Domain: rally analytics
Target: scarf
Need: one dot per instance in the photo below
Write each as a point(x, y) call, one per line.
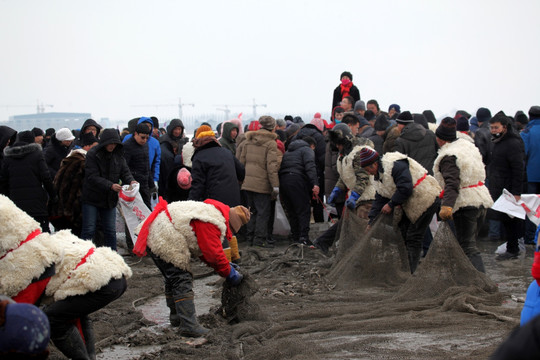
point(346, 89)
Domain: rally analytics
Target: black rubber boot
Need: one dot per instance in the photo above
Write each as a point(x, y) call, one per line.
point(190, 327)
point(89, 338)
point(71, 345)
point(173, 316)
point(477, 262)
point(414, 258)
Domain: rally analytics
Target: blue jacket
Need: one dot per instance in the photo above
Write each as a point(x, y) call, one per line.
point(531, 139)
point(154, 150)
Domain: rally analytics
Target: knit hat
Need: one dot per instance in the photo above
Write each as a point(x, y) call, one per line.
point(395, 107)
point(360, 105)
point(521, 118)
point(288, 117)
point(24, 329)
point(381, 123)
point(368, 156)
point(254, 125)
point(462, 124)
point(37, 132)
point(88, 139)
point(319, 123)
point(462, 113)
point(26, 137)
point(238, 216)
point(267, 122)
point(64, 134)
point(405, 118)
point(345, 73)
point(317, 115)
point(534, 112)
point(447, 129)
point(204, 130)
point(291, 130)
point(184, 179)
point(369, 115)
point(49, 132)
point(483, 115)
point(430, 116)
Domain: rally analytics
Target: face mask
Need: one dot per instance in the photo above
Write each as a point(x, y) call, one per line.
point(337, 121)
point(345, 81)
point(496, 135)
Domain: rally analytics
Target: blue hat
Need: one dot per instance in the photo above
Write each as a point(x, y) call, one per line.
point(26, 329)
point(395, 107)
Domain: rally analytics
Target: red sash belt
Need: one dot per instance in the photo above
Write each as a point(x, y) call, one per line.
point(420, 180)
point(32, 235)
point(140, 246)
point(480, 183)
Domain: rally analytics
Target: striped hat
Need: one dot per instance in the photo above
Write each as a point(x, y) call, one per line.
point(368, 156)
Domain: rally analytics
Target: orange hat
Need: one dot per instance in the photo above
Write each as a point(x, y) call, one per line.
point(204, 130)
point(238, 216)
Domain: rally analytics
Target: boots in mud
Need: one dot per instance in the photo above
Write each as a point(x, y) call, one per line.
point(174, 318)
point(477, 262)
point(71, 344)
point(89, 338)
point(190, 327)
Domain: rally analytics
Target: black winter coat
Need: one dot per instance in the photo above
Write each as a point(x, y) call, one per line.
point(320, 148)
point(167, 154)
point(505, 171)
point(336, 100)
point(482, 140)
point(216, 174)
point(6, 134)
point(25, 178)
point(54, 153)
point(299, 159)
point(103, 169)
point(418, 143)
point(137, 161)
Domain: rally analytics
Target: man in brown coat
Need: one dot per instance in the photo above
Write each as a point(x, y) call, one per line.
point(259, 155)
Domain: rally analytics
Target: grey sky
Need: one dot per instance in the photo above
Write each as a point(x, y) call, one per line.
point(103, 57)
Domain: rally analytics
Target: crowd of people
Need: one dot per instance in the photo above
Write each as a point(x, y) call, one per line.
point(362, 160)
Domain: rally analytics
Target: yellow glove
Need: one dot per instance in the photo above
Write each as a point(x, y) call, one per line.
point(445, 213)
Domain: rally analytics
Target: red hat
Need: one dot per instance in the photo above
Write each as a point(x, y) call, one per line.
point(184, 178)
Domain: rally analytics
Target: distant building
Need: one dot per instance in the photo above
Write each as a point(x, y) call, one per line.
point(44, 121)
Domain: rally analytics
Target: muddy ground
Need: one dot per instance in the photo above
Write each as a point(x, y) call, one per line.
point(303, 315)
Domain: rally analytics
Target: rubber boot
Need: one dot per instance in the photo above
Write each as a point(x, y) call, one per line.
point(414, 258)
point(173, 316)
point(89, 338)
point(477, 262)
point(190, 327)
point(71, 344)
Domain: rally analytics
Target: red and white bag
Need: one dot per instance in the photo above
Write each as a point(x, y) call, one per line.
point(132, 207)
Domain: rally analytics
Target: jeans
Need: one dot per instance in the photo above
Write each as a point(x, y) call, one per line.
point(108, 222)
point(257, 227)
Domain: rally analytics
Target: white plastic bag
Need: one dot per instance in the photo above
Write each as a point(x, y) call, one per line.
point(521, 244)
point(281, 224)
point(132, 207)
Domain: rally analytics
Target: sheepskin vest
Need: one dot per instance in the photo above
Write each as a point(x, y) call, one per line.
point(461, 135)
point(425, 187)
point(472, 175)
point(23, 254)
point(84, 268)
point(174, 240)
point(345, 169)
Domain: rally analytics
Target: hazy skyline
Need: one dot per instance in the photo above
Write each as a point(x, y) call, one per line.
point(110, 57)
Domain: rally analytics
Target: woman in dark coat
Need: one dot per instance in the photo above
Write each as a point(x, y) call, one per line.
point(25, 178)
point(59, 147)
point(345, 88)
point(505, 171)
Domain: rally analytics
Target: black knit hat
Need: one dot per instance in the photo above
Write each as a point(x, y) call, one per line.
point(26, 137)
point(381, 123)
point(534, 112)
point(447, 129)
point(462, 124)
point(49, 132)
point(483, 114)
point(345, 73)
point(37, 132)
point(405, 118)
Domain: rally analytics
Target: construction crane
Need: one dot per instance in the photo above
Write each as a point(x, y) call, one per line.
point(255, 105)
point(180, 106)
point(227, 111)
point(40, 107)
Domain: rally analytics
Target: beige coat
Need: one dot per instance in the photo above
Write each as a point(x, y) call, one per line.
point(259, 155)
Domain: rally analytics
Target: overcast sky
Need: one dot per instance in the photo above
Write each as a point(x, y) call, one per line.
point(109, 57)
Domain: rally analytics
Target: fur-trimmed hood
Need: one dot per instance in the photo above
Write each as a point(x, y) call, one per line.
point(21, 151)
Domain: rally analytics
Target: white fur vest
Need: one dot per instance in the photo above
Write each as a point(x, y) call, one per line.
point(75, 277)
point(21, 262)
point(345, 169)
point(471, 173)
point(174, 241)
point(425, 191)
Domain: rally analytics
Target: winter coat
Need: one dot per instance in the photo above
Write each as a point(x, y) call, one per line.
point(154, 150)
point(467, 188)
point(338, 96)
point(137, 161)
point(25, 179)
point(505, 170)
point(367, 132)
point(226, 141)
point(54, 153)
point(531, 140)
point(331, 175)
point(102, 170)
point(418, 143)
point(378, 142)
point(353, 177)
point(391, 135)
point(405, 182)
point(175, 192)
point(259, 155)
point(77, 144)
point(482, 140)
point(300, 160)
point(167, 153)
point(320, 147)
point(6, 134)
point(216, 174)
